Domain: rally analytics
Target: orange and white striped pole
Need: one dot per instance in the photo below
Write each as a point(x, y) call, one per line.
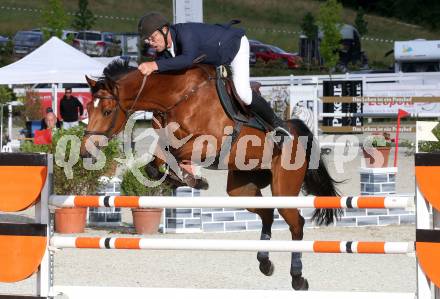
point(234, 245)
point(327, 202)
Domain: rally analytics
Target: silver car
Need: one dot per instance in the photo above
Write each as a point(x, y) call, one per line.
point(95, 43)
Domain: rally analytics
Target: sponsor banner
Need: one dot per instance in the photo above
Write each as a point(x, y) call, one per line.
point(400, 95)
point(369, 129)
point(339, 89)
point(279, 99)
point(303, 96)
point(83, 97)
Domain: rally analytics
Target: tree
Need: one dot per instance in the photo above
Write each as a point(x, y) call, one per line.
point(6, 53)
point(84, 17)
point(6, 94)
point(330, 20)
point(308, 26)
point(310, 30)
point(360, 23)
point(55, 19)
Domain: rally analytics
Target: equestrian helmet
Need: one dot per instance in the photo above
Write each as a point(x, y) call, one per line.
point(149, 23)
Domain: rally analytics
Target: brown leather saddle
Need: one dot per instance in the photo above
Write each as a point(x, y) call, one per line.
point(232, 104)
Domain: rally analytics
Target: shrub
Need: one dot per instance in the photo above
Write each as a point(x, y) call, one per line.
point(32, 106)
point(130, 185)
point(378, 140)
point(431, 146)
point(84, 181)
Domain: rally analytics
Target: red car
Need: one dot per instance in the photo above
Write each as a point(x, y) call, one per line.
point(269, 52)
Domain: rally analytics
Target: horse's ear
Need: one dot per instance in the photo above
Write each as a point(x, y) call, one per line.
point(91, 82)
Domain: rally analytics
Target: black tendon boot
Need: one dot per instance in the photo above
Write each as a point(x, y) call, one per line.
point(262, 110)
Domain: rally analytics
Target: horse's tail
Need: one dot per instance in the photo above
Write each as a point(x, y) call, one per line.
point(317, 180)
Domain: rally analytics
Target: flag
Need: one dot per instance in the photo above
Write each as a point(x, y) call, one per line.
point(43, 136)
point(402, 113)
point(424, 130)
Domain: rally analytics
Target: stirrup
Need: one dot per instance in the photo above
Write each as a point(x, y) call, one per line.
point(279, 135)
point(283, 132)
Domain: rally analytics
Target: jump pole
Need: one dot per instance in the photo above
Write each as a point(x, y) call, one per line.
point(361, 202)
point(360, 247)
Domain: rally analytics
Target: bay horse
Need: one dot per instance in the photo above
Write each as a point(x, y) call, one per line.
point(189, 98)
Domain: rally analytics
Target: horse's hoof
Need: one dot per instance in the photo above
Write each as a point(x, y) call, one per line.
point(299, 283)
point(152, 171)
point(267, 268)
point(194, 182)
point(201, 184)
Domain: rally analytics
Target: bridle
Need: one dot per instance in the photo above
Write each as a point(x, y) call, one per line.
point(127, 113)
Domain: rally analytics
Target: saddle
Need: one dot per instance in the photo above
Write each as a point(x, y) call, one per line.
point(231, 102)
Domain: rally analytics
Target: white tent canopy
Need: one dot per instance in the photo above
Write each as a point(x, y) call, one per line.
point(53, 62)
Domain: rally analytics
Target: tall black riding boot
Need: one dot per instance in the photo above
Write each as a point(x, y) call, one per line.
point(261, 109)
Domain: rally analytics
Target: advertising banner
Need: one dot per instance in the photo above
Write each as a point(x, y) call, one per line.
point(399, 97)
point(338, 89)
point(83, 97)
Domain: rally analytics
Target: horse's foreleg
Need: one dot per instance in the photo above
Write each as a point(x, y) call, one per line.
point(296, 226)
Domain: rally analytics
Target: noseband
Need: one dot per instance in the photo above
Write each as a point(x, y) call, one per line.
point(126, 112)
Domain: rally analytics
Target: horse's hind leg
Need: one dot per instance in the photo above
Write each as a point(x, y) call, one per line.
point(296, 225)
point(288, 183)
point(244, 184)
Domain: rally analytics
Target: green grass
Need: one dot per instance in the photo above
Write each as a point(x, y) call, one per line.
point(259, 17)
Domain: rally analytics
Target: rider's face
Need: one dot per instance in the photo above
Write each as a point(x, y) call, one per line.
point(156, 41)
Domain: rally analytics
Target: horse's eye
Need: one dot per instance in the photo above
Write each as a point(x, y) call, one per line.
point(107, 112)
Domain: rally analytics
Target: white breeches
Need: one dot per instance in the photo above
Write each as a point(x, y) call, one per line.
point(240, 72)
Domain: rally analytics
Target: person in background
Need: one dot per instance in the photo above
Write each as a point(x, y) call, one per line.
point(50, 120)
point(70, 106)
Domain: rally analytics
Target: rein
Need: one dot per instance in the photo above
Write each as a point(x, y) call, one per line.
point(126, 112)
point(186, 96)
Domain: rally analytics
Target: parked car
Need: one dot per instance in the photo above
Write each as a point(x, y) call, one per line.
point(66, 34)
point(254, 42)
point(252, 58)
point(27, 41)
point(3, 41)
point(69, 35)
point(270, 52)
point(252, 55)
point(129, 43)
point(95, 43)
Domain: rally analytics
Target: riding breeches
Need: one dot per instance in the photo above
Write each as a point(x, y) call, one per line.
point(240, 72)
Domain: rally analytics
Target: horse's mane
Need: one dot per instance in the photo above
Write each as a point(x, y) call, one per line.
point(117, 68)
point(112, 73)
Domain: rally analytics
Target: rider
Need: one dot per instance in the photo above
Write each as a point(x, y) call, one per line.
point(179, 44)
